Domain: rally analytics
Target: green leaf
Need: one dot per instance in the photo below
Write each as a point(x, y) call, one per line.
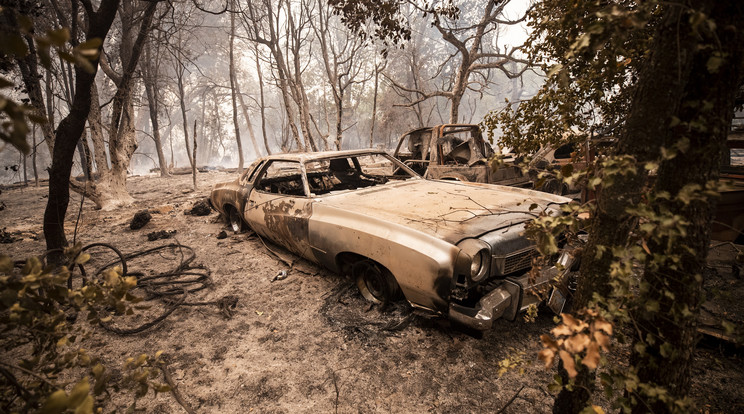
point(79, 392)
point(82, 258)
point(59, 37)
point(86, 406)
point(666, 350)
point(56, 403)
point(728, 327)
point(567, 170)
point(6, 264)
point(714, 63)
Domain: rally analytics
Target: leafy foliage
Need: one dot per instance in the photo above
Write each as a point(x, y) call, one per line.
point(600, 59)
point(385, 20)
point(16, 35)
point(40, 330)
point(591, 52)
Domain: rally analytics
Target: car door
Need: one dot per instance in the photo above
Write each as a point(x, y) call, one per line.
point(279, 208)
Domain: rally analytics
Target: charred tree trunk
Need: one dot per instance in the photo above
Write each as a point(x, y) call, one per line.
point(182, 101)
point(262, 102)
point(95, 125)
point(706, 110)
point(29, 69)
point(150, 81)
point(33, 157)
point(374, 107)
point(675, 73)
point(248, 122)
point(109, 190)
point(233, 82)
point(69, 131)
point(193, 165)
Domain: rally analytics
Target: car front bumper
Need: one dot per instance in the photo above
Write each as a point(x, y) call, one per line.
point(514, 295)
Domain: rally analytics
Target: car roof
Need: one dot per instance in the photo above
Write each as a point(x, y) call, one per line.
point(310, 156)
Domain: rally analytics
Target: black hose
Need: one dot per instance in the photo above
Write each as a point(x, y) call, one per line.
point(171, 287)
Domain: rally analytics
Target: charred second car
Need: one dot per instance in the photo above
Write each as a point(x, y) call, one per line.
point(452, 248)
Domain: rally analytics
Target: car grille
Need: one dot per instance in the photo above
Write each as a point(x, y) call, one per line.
point(514, 262)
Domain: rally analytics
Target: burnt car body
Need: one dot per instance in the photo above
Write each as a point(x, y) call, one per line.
point(456, 152)
point(452, 248)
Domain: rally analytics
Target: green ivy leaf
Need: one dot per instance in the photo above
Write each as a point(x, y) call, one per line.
point(714, 63)
point(56, 403)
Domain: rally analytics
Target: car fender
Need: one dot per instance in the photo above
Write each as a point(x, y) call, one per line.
point(422, 265)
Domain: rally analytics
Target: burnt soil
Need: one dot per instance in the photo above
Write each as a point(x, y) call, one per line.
point(309, 342)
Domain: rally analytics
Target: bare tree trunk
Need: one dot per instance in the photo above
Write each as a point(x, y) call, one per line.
point(95, 125)
point(69, 132)
point(86, 163)
point(181, 99)
point(109, 190)
point(263, 103)
point(25, 169)
point(33, 157)
point(193, 164)
point(149, 79)
point(248, 122)
point(233, 82)
point(374, 108)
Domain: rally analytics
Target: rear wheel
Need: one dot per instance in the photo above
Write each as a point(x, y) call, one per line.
point(375, 282)
point(234, 220)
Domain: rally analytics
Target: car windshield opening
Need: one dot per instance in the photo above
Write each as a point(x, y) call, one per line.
point(352, 172)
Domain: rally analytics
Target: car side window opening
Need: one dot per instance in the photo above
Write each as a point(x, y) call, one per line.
point(281, 177)
point(349, 173)
point(250, 172)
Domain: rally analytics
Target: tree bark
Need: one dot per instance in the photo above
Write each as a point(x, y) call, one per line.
point(33, 157)
point(262, 102)
point(182, 102)
point(150, 81)
point(233, 80)
point(193, 165)
point(95, 125)
point(674, 73)
point(109, 190)
point(374, 107)
point(655, 100)
point(708, 101)
point(69, 131)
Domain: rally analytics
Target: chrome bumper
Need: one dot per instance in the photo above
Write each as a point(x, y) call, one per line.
point(514, 295)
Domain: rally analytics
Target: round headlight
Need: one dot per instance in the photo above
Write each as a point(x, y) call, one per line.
point(479, 266)
point(476, 264)
point(478, 254)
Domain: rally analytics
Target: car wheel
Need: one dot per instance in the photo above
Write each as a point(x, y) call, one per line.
point(375, 282)
point(552, 186)
point(234, 220)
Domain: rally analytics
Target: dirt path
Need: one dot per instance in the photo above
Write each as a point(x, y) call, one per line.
point(309, 343)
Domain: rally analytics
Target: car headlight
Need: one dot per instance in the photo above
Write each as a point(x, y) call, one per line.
point(479, 266)
point(480, 254)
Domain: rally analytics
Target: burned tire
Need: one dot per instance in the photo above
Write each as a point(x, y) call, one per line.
point(234, 220)
point(552, 186)
point(375, 282)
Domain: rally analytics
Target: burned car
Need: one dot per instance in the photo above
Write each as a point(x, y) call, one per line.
point(452, 248)
point(457, 152)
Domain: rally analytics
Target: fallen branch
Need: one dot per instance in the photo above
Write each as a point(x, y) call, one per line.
point(174, 389)
point(508, 403)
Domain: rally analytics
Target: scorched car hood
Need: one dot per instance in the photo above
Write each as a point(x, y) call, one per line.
point(450, 211)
